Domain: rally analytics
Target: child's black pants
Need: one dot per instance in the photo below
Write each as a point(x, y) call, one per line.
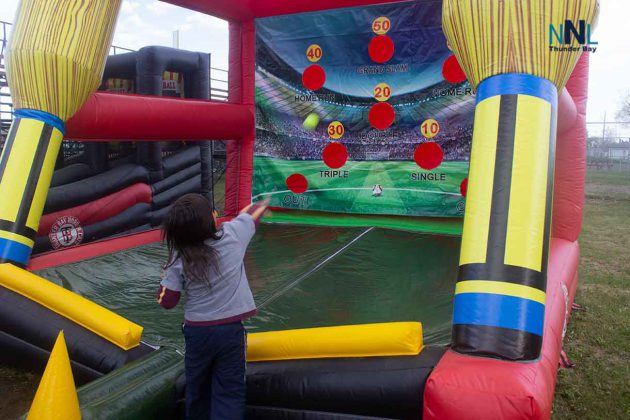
point(215, 372)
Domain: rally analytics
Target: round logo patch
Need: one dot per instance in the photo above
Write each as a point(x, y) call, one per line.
point(65, 232)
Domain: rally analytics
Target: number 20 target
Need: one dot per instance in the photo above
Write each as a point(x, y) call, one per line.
point(382, 92)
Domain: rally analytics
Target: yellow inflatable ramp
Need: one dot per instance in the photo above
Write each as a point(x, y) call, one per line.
point(366, 340)
point(102, 322)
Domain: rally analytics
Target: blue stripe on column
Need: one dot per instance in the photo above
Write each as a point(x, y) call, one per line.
point(45, 117)
point(14, 251)
point(517, 84)
point(499, 311)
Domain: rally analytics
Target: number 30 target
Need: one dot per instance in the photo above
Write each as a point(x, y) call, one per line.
point(336, 130)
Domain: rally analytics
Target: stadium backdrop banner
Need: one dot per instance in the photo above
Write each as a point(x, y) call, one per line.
point(387, 170)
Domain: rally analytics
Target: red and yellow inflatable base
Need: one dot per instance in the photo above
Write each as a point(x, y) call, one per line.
point(481, 388)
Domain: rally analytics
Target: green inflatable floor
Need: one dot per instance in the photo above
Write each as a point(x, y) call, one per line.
point(301, 276)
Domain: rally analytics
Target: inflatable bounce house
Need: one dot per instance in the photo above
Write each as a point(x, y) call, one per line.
point(413, 151)
point(100, 189)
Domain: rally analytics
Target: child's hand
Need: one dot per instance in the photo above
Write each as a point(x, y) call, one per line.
point(256, 210)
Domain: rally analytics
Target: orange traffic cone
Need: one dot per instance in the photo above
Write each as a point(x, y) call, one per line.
point(56, 397)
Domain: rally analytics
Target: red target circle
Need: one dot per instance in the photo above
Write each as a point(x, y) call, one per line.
point(314, 77)
point(452, 71)
point(335, 155)
point(428, 155)
point(381, 49)
point(297, 183)
point(381, 115)
point(463, 187)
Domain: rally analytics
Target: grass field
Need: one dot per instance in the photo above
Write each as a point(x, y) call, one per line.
point(401, 195)
point(17, 390)
point(598, 337)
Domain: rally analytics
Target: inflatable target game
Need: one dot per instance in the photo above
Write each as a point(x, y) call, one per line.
point(348, 99)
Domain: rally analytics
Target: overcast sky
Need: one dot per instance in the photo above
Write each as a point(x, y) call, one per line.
point(150, 22)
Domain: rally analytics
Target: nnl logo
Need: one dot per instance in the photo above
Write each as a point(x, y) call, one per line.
point(566, 32)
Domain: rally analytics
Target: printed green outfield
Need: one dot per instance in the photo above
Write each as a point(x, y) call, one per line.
point(406, 189)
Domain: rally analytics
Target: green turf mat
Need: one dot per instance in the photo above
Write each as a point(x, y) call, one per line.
point(142, 389)
point(381, 276)
point(438, 225)
point(301, 276)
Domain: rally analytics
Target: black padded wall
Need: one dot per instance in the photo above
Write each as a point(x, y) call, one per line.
point(147, 67)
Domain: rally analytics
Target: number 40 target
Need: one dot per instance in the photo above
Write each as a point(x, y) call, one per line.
point(314, 53)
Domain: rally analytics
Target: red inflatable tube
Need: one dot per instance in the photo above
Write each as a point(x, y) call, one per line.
point(465, 387)
point(111, 116)
point(567, 113)
point(570, 172)
point(98, 248)
point(240, 154)
point(242, 10)
point(100, 209)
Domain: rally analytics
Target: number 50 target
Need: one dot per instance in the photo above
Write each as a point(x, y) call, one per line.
point(430, 128)
point(381, 25)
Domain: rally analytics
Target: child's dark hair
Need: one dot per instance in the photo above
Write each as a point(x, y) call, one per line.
point(187, 225)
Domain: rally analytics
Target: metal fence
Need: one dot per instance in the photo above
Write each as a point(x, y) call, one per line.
point(608, 146)
point(218, 84)
point(611, 156)
point(6, 105)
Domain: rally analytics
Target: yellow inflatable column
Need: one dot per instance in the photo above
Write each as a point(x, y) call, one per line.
point(56, 397)
point(503, 46)
point(55, 60)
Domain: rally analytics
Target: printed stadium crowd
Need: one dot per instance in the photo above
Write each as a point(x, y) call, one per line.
point(287, 139)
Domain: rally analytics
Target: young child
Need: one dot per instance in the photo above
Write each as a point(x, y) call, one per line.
point(207, 265)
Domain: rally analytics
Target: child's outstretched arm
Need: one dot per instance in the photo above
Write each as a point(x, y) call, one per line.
point(256, 210)
point(245, 224)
